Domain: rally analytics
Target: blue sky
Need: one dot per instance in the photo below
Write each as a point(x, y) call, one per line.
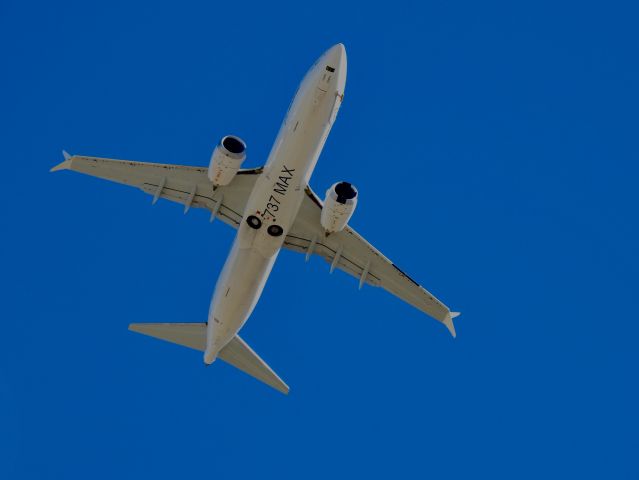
point(494, 145)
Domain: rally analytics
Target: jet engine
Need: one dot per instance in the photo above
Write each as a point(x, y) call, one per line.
point(226, 160)
point(339, 205)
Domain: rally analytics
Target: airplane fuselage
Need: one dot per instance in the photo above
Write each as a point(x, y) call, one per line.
point(276, 198)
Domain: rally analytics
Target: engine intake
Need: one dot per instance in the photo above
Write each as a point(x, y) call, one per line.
point(339, 206)
point(226, 160)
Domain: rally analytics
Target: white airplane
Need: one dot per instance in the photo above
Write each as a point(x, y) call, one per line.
point(272, 207)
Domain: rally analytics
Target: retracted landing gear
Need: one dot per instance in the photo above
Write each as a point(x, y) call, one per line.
point(275, 230)
point(254, 222)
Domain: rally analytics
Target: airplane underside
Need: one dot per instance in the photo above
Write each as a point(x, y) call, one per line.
point(272, 207)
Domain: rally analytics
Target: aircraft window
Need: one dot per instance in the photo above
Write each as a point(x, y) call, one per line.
point(330, 69)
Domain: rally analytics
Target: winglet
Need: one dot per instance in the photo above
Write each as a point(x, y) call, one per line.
point(64, 165)
point(448, 321)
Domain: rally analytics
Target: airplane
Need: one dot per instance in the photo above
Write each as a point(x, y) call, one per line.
point(272, 207)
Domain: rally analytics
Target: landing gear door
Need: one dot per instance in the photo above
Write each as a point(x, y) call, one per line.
point(336, 104)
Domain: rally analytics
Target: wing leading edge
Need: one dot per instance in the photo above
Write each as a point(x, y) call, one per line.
point(349, 251)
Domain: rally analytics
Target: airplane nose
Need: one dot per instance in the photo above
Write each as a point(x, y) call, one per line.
point(336, 53)
point(338, 49)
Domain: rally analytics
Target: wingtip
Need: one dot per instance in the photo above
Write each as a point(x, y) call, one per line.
point(448, 321)
point(64, 165)
point(61, 166)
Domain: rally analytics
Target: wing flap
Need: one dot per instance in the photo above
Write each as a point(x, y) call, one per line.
point(236, 352)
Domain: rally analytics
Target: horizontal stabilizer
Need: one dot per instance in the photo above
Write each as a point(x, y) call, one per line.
point(236, 352)
point(191, 335)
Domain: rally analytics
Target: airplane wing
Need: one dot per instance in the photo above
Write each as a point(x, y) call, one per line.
point(349, 251)
point(236, 352)
point(186, 185)
point(190, 186)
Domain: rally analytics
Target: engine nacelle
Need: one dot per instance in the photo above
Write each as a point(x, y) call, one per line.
point(339, 205)
point(226, 160)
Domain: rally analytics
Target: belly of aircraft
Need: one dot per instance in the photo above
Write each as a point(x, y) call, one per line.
point(275, 200)
point(239, 287)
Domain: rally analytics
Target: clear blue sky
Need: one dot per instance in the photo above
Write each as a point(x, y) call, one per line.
point(495, 148)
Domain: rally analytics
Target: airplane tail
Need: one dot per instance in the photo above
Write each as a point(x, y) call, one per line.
point(236, 352)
